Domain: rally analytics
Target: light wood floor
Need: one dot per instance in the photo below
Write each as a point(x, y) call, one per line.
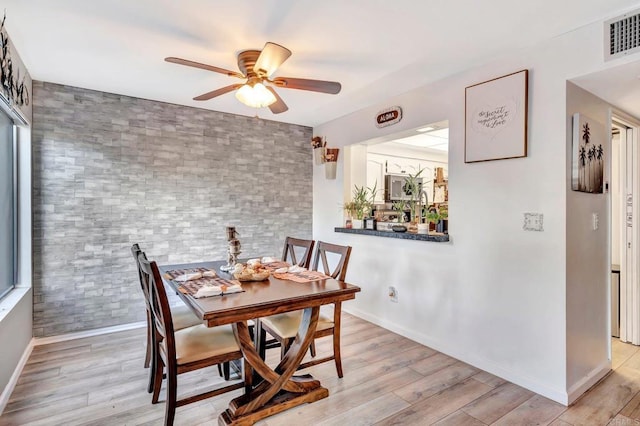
point(388, 380)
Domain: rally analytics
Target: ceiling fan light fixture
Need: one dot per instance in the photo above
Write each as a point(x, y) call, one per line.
point(256, 96)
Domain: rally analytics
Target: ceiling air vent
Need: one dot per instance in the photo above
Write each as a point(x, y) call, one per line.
point(622, 35)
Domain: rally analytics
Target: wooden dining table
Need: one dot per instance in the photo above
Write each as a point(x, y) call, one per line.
point(279, 388)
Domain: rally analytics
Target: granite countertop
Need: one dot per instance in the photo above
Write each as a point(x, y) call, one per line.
point(434, 237)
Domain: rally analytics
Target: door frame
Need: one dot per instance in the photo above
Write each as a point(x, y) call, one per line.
point(629, 238)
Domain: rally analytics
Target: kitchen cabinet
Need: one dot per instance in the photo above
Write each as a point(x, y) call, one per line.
point(379, 165)
point(375, 177)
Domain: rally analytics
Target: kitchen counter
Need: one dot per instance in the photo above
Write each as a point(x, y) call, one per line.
point(433, 237)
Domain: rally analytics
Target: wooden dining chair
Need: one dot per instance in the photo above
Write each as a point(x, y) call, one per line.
point(296, 246)
point(182, 316)
point(284, 327)
point(293, 248)
point(188, 349)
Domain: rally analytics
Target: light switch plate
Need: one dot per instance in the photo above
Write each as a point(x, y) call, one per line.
point(533, 222)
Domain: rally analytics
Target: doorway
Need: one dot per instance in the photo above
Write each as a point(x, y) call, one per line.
point(625, 236)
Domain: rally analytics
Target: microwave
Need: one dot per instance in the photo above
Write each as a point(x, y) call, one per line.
point(395, 188)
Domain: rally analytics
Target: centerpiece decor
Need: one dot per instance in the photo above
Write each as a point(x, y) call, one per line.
point(233, 251)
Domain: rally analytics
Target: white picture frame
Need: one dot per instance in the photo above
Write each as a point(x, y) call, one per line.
point(496, 114)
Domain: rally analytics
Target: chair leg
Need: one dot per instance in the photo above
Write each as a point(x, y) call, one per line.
point(313, 349)
point(220, 370)
point(336, 350)
point(226, 368)
point(260, 340)
point(172, 395)
point(153, 374)
point(147, 357)
point(158, 368)
point(284, 346)
point(248, 376)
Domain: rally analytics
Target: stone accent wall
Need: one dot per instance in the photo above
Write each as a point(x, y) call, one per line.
point(112, 170)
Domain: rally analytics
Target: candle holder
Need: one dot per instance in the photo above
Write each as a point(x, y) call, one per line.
point(233, 251)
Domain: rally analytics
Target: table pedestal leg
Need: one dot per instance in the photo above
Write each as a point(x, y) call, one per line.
point(280, 389)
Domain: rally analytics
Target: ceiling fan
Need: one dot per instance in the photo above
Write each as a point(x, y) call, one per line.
point(256, 68)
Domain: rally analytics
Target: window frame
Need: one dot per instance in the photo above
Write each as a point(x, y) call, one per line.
point(14, 197)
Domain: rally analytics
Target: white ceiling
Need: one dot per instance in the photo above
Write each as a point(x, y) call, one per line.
point(435, 139)
point(620, 86)
point(375, 48)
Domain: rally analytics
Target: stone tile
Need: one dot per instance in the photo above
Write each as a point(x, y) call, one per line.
point(459, 418)
point(537, 410)
point(437, 407)
point(111, 170)
point(602, 403)
point(497, 403)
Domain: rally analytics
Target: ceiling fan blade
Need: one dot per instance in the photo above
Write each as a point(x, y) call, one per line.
point(188, 63)
point(217, 92)
point(331, 87)
point(271, 57)
point(278, 106)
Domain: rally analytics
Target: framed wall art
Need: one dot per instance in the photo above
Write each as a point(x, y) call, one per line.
point(496, 118)
point(587, 172)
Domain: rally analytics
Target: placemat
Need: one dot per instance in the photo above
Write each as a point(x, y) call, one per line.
point(191, 287)
point(172, 275)
point(302, 277)
point(275, 265)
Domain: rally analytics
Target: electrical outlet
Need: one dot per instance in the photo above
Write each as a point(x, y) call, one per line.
point(393, 294)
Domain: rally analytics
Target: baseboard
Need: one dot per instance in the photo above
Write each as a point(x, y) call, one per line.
point(8, 389)
point(558, 395)
point(594, 376)
point(88, 333)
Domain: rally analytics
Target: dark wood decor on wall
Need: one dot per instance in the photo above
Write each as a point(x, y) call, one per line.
point(14, 84)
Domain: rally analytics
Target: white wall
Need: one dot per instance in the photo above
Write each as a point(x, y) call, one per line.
point(15, 333)
point(406, 151)
point(495, 296)
point(16, 309)
point(588, 255)
point(615, 199)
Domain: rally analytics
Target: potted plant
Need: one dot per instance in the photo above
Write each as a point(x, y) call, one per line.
point(350, 209)
point(433, 217)
point(413, 188)
point(442, 225)
point(361, 204)
point(400, 207)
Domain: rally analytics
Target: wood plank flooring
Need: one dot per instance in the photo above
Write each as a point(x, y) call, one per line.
point(389, 380)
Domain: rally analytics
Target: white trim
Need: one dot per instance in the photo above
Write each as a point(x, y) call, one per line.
point(88, 333)
point(630, 184)
point(11, 300)
point(558, 395)
point(589, 381)
point(8, 389)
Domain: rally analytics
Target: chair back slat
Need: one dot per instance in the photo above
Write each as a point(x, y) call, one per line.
point(343, 253)
point(137, 251)
point(289, 253)
point(159, 303)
